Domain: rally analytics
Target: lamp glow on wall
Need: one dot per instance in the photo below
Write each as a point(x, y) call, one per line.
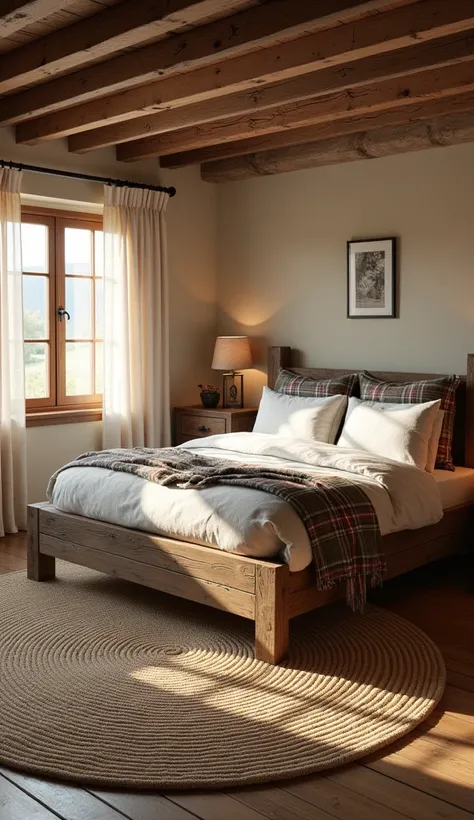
point(232, 353)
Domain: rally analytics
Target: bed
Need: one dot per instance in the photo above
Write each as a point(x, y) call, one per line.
point(263, 590)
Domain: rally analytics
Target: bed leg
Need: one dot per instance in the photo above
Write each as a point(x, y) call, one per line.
point(39, 567)
point(271, 613)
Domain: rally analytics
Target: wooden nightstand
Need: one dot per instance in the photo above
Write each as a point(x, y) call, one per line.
point(197, 421)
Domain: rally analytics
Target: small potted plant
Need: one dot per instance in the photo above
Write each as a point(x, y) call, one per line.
point(210, 395)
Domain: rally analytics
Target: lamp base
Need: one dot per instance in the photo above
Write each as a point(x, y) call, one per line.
point(233, 390)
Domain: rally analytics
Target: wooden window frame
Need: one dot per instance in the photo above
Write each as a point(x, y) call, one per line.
point(59, 408)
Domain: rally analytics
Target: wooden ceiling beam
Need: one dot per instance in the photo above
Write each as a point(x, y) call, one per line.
point(371, 35)
point(215, 81)
point(208, 82)
point(393, 93)
point(429, 109)
point(451, 130)
point(17, 14)
point(99, 35)
point(259, 26)
point(331, 80)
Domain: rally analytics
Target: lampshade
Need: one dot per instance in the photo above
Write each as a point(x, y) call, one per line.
point(232, 353)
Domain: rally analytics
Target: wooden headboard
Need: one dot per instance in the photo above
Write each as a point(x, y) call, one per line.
point(463, 441)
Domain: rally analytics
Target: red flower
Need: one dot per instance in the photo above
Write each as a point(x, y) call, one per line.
point(209, 388)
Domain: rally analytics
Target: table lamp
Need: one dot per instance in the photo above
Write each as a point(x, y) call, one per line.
point(232, 353)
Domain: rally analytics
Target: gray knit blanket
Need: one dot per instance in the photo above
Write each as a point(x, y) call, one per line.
point(338, 515)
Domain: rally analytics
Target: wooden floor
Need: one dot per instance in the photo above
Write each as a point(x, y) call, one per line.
point(429, 775)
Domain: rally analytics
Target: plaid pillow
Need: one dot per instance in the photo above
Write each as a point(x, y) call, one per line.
point(294, 385)
point(444, 388)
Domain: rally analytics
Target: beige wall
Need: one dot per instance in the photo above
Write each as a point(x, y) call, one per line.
point(48, 448)
point(279, 244)
point(282, 261)
point(191, 218)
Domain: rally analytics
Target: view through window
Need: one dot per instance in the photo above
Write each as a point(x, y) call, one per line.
point(62, 260)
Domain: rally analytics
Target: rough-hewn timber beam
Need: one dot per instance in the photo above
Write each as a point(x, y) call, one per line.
point(362, 72)
point(269, 24)
point(401, 139)
point(17, 14)
point(375, 34)
point(210, 81)
point(429, 109)
point(394, 93)
point(119, 27)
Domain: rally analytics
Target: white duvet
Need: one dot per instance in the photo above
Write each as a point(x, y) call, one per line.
point(242, 520)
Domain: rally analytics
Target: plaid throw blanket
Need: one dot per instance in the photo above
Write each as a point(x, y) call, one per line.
point(339, 517)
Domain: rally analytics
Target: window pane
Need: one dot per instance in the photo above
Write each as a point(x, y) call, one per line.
point(99, 309)
point(78, 251)
point(34, 247)
point(79, 368)
point(99, 253)
point(79, 306)
point(35, 307)
point(99, 368)
point(36, 356)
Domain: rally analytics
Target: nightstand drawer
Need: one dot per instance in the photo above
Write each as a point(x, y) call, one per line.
point(195, 421)
point(201, 425)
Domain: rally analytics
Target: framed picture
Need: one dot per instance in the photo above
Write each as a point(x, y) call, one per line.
point(371, 276)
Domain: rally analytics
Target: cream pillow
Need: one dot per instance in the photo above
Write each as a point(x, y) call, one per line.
point(401, 432)
point(300, 417)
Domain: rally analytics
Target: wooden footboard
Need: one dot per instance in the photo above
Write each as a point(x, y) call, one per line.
point(253, 589)
point(263, 591)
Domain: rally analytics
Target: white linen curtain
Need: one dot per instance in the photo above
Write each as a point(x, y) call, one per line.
point(136, 408)
point(12, 377)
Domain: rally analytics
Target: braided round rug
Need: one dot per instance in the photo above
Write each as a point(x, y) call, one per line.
point(108, 683)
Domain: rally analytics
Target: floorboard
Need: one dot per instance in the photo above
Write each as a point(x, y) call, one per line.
point(385, 792)
point(214, 806)
point(13, 563)
point(339, 801)
point(278, 804)
point(426, 779)
point(69, 802)
point(143, 806)
point(428, 775)
point(16, 805)
point(458, 702)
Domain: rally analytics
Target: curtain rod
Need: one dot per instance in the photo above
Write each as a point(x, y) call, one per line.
point(120, 183)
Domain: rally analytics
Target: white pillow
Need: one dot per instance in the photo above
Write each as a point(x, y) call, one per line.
point(300, 417)
point(435, 433)
point(401, 432)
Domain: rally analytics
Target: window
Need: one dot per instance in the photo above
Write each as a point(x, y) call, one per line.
point(62, 258)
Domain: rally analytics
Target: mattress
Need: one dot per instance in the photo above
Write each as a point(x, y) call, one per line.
point(241, 520)
point(455, 487)
point(130, 501)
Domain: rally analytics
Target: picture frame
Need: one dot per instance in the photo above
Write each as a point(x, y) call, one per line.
point(371, 278)
point(233, 390)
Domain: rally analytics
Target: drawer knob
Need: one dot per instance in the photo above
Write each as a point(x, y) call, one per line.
point(203, 429)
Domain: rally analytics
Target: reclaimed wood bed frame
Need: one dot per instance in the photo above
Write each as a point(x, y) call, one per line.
point(263, 591)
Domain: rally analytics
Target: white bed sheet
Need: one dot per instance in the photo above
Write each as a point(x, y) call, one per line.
point(455, 487)
point(237, 519)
